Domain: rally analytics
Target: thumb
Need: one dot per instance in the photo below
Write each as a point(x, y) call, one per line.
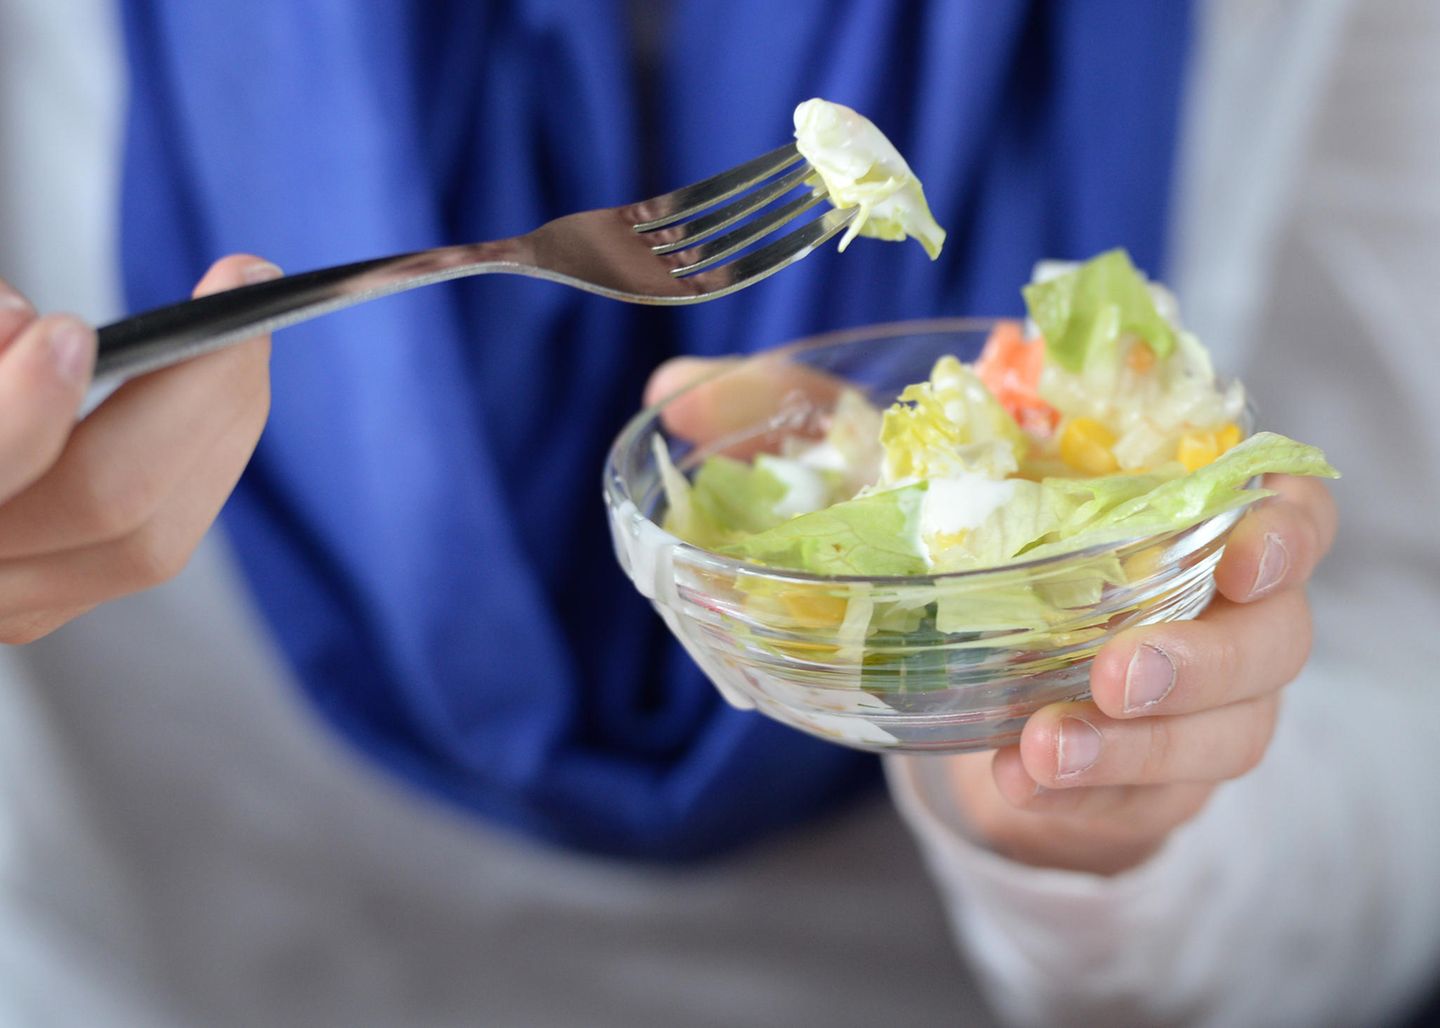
point(43, 376)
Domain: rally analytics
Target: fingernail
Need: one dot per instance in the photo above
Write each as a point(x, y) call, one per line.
point(260, 271)
point(70, 348)
point(1149, 677)
point(1274, 562)
point(1077, 747)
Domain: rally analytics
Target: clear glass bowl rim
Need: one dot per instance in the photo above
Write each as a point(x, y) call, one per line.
point(617, 490)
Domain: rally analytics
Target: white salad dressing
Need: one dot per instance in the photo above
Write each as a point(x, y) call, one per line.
point(805, 488)
point(959, 504)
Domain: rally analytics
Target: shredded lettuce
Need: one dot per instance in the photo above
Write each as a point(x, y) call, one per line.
point(728, 499)
point(1131, 507)
point(875, 534)
point(737, 497)
point(861, 168)
point(1084, 314)
point(947, 426)
point(852, 443)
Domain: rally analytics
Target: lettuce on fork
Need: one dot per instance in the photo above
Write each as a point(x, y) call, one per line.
point(861, 168)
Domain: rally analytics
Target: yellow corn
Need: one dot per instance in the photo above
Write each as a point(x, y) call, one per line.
point(1085, 445)
point(1196, 449)
point(814, 610)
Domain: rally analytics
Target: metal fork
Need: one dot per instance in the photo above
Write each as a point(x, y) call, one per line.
point(651, 252)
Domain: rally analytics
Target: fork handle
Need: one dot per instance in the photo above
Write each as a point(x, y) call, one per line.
point(168, 335)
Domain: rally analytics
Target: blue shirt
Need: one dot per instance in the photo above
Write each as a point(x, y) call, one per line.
point(421, 524)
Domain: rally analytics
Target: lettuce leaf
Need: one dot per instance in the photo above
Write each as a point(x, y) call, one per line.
point(1131, 506)
point(1031, 514)
point(861, 168)
point(737, 497)
point(1085, 313)
point(875, 534)
point(946, 426)
point(727, 501)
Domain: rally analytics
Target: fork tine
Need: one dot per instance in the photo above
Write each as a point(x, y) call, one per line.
point(772, 257)
point(750, 232)
point(686, 201)
point(692, 232)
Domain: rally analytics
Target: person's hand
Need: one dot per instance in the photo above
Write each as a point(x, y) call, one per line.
point(115, 503)
point(1177, 707)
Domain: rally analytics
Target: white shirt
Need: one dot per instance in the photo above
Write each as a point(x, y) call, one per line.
point(180, 841)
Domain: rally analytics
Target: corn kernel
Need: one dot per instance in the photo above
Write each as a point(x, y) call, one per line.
point(1085, 445)
point(814, 610)
point(1196, 449)
point(1142, 564)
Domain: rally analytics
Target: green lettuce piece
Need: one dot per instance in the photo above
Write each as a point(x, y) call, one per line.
point(682, 518)
point(1032, 514)
point(1082, 586)
point(738, 498)
point(861, 168)
point(1084, 313)
point(875, 534)
point(948, 425)
point(1006, 608)
point(1087, 500)
point(1167, 505)
point(727, 501)
point(1037, 605)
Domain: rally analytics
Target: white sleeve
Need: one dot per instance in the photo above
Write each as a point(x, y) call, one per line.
point(1307, 892)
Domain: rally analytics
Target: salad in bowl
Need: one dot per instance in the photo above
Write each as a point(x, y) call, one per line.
point(913, 536)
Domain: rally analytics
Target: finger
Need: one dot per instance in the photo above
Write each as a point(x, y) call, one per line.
point(126, 458)
point(1278, 543)
point(1140, 809)
point(680, 372)
point(732, 396)
point(1232, 652)
point(151, 555)
point(43, 375)
point(1072, 744)
point(238, 269)
point(21, 629)
point(15, 313)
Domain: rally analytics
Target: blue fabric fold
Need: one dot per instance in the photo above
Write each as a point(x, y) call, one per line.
point(421, 525)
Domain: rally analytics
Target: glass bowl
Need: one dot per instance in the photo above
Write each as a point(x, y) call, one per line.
point(934, 663)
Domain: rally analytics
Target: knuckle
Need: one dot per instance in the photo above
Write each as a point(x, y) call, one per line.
point(1257, 741)
point(1251, 756)
point(150, 557)
point(1159, 751)
point(1309, 539)
point(1228, 661)
point(111, 500)
point(1303, 632)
